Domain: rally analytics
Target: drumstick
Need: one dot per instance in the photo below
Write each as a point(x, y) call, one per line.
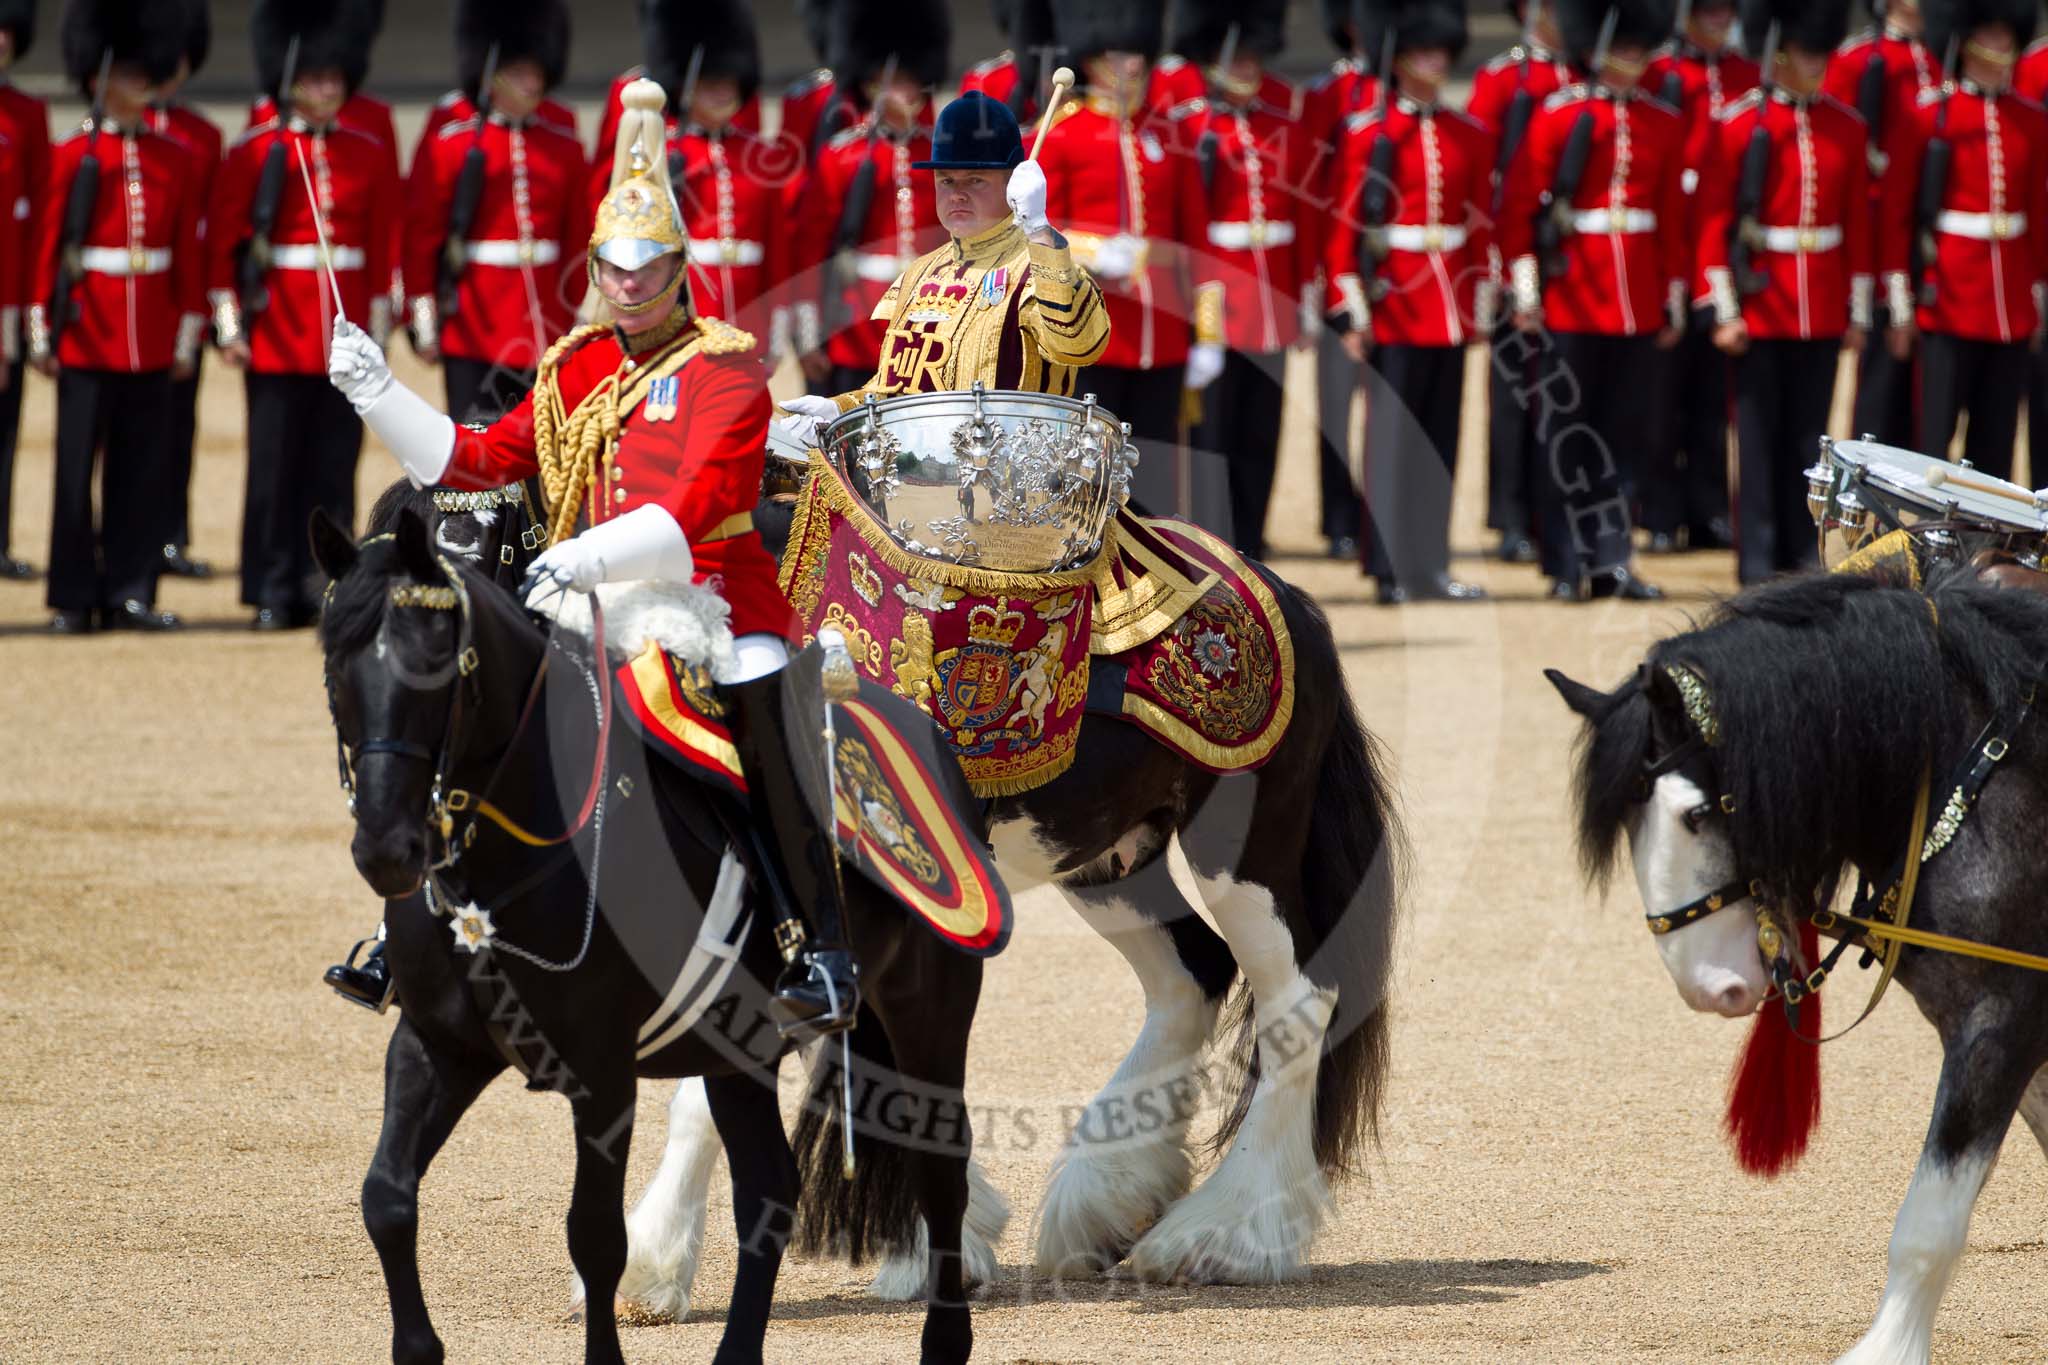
point(1938, 475)
point(1062, 82)
point(320, 227)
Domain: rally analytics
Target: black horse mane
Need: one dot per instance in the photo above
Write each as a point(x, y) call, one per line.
point(1833, 692)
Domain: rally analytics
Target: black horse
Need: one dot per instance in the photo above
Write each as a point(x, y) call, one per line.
point(1755, 762)
point(546, 955)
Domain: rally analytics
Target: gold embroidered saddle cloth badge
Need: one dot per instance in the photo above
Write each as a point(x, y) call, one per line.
point(899, 795)
point(1168, 629)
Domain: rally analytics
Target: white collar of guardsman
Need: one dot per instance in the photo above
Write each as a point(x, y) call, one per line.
point(505, 120)
point(1780, 95)
point(1899, 35)
point(1980, 90)
point(299, 123)
point(1414, 107)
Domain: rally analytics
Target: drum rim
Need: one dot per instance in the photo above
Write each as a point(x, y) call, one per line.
point(961, 402)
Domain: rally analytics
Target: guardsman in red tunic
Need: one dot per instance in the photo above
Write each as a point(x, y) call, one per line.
point(1017, 75)
point(1882, 74)
point(1133, 213)
point(652, 472)
point(118, 305)
point(1407, 271)
point(273, 305)
point(813, 110)
point(1506, 94)
point(26, 125)
point(491, 270)
point(202, 142)
point(1685, 485)
point(1253, 158)
point(868, 213)
point(662, 22)
point(1982, 262)
point(1327, 104)
point(2030, 79)
point(1788, 261)
point(1598, 266)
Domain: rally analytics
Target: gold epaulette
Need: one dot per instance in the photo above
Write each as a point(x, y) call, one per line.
point(720, 337)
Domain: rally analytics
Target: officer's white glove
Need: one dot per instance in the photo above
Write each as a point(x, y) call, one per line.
point(809, 415)
point(644, 543)
point(419, 434)
point(1116, 258)
point(1027, 196)
point(1205, 362)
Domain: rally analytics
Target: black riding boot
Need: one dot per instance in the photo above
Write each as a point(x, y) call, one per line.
point(818, 991)
point(368, 982)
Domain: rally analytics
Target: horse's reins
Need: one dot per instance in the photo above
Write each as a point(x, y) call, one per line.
point(1885, 919)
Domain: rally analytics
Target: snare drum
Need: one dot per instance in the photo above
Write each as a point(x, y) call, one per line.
point(1860, 490)
point(1020, 482)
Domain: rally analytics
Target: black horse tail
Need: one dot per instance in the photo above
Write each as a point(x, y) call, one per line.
point(875, 1213)
point(1352, 866)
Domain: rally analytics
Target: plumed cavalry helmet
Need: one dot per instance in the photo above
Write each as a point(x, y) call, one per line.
point(674, 31)
point(1950, 22)
point(149, 33)
point(866, 33)
point(1084, 28)
point(638, 220)
point(331, 33)
point(1812, 26)
point(534, 31)
point(1644, 22)
point(1200, 28)
point(1416, 24)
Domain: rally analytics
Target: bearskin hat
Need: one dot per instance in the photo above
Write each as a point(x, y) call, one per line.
point(149, 33)
point(1415, 24)
point(816, 18)
point(1647, 22)
point(866, 33)
point(1200, 28)
point(522, 30)
point(331, 33)
point(20, 16)
point(1950, 22)
point(198, 33)
point(1815, 26)
point(672, 30)
point(1086, 27)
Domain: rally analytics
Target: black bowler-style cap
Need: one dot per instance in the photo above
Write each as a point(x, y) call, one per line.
point(974, 133)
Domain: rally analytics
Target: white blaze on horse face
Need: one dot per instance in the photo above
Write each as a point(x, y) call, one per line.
point(1713, 961)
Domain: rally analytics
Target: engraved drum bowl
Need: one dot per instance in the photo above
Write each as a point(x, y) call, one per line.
point(1019, 482)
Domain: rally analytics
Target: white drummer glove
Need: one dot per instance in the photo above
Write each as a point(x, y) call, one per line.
point(1027, 196)
point(1205, 362)
point(809, 415)
point(644, 543)
point(419, 434)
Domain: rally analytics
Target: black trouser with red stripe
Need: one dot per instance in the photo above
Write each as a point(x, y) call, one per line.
point(482, 390)
point(1783, 389)
point(1240, 430)
point(1336, 385)
point(1984, 379)
point(10, 430)
point(1412, 414)
point(1884, 396)
point(1584, 447)
point(177, 509)
point(304, 440)
point(123, 422)
point(1685, 476)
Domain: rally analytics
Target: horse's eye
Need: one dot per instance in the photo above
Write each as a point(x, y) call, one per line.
point(1696, 818)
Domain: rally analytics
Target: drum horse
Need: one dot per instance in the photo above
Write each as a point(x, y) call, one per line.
point(1297, 860)
point(1853, 723)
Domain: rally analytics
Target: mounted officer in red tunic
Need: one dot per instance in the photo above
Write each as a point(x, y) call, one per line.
point(648, 435)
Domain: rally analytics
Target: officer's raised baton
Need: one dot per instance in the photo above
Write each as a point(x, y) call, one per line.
point(1062, 82)
point(320, 227)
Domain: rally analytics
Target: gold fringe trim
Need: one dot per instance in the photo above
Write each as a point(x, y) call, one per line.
point(1037, 777)
point(839, 498)
point(1207, 751)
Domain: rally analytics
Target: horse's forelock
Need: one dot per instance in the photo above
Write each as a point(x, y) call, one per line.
point(1610, 769)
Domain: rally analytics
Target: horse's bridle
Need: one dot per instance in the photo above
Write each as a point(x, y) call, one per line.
point(1705, 737)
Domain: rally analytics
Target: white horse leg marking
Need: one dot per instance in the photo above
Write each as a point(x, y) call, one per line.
point(2034, 1107)
point(1252, 1220)
point(1127, 1158)
point(665, 1231)
point(905, 1275)
point(1927, 1241)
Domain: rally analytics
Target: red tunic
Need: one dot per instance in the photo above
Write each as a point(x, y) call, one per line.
point(365, 114)
point(805, 105)
point(455, 106)
point(1176, 80)
point(1326, 104)
point(1440, 233)
point(141, 271)
point(1813, 212)
point(703, 465)
point(1908, 69)
point(1991, 241)
point(356, 180)
point(1494, 86)
point(26, 121)
point(1260, 242)
point(902, 225)
point(996, 78)
point(14, 246)
point(748, 117)
point(1629, 251)
point(1708, 82)
point(2030, 77)
point(526, 272)
point(1115, 177)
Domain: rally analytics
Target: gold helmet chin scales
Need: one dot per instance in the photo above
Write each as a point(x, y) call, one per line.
point(638, 221)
